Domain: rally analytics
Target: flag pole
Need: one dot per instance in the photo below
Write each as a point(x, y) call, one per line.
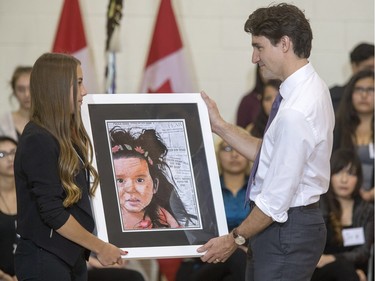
point(114, 15)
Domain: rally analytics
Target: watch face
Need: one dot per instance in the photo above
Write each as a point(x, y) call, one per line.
point(240, 240)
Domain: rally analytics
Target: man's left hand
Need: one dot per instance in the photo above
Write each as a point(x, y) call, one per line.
point(218, 249)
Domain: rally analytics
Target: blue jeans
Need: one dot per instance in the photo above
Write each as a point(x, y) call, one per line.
point(33, 263)
point(288, 251)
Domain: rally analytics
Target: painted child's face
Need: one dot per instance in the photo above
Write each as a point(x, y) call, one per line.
point(134, 183)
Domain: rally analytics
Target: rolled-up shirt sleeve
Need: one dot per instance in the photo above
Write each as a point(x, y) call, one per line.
point(291, 144)
point(40, 165)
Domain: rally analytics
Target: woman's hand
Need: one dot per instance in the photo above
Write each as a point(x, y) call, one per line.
point(325, 259)
point(361, 275)
point(367, 195)
point(95, 263)
point(6, 277)
point(110, 255)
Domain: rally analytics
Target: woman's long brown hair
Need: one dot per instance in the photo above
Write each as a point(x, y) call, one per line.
point(342, 159)
point(51, 80)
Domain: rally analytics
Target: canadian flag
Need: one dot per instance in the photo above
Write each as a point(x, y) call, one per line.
point(70, 39)
point(166, 70)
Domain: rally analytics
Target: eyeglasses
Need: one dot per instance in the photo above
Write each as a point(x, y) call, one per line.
point(227, 148)
point(362, 90)
point(4, 154)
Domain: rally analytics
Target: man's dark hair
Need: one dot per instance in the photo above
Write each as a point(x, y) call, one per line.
point(279, 20)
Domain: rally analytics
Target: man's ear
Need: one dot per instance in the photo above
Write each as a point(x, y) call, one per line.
point(156, 185)
point(285, 43)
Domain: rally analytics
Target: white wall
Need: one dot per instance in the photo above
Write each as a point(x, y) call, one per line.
point(212, 30)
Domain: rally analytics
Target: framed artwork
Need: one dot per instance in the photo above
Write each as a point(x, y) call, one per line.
point(159, 194)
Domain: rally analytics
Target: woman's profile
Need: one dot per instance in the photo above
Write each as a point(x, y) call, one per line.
point(143, 186)
point(55, 179)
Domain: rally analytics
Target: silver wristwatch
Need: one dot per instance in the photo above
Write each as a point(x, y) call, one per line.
point(238, 239)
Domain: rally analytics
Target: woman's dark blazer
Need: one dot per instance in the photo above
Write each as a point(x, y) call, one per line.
point(40, 195)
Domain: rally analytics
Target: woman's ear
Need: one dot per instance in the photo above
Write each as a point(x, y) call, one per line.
point(156, 185)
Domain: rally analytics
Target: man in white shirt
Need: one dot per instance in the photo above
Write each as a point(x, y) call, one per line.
point(285, 228)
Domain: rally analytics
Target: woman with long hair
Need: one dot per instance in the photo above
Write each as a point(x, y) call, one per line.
point(354, 127)
point(349, 221)
point(55, 179)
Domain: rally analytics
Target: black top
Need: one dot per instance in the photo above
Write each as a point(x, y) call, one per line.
point(336, 94)
point(40, 195)
point(363, 216)
point(7, 242)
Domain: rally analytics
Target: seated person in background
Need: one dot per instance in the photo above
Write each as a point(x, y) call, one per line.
point(234, 174)
point(8, 209)
point(271, 89)
point(12, 123)
point(250, 103)
point(361, 58)
point(354, 127)
point(349, 221)
point(234, 169)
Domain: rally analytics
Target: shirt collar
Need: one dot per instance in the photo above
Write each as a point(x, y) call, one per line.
point(286, 87)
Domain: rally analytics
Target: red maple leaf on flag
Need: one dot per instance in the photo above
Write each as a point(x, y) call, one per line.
point(166, 69)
